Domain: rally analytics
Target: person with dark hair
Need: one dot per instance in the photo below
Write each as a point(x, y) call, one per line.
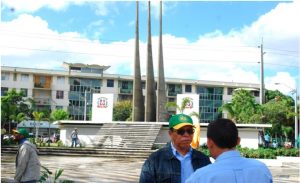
point(177, 161)
point(229, 165)
point(27, 161)
point(74, 137)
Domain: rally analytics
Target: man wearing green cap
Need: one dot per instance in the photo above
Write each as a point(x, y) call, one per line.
point(177, 161)
point(27, 161)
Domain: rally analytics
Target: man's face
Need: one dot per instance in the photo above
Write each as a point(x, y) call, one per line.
point(18, 137)
point(182, 137)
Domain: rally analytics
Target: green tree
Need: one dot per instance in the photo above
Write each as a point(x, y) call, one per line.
point(242, 107)
point(59, 114)
point(280, 114)
point(13, 108)
point(122, 111)
point(180, 107)
point(38, 116)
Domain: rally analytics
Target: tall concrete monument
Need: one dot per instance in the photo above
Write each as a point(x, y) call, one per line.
point(138, 100)
point(161, 113)
point(150, 111)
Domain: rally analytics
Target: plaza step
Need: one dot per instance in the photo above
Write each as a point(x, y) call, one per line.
point(128, 135)
point(91, 152)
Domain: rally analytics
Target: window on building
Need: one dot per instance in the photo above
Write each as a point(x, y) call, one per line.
point(59, 94)
point(58, 107)
point(188, 88)
point(143, 84)
point(24, 91)
point(61, 80)
point(230, 91)
point(256, 93)
point(24, 77)
point(4, 91)
point(42, 80)
point(110, 83)
point(124, 84)
point(4, 76)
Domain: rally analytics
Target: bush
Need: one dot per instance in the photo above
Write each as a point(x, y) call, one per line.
point(262, 153)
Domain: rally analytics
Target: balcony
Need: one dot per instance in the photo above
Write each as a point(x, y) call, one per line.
point(125, 91)
point(42, 101)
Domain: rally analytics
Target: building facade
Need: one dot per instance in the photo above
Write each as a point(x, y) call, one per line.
point(71, 89)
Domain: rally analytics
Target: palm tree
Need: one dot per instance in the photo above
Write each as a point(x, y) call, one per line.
point(184, 103)
point(38, 116)
point(228, 107)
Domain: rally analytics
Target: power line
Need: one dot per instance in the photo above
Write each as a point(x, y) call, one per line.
point(123, 56)
point(117, 42)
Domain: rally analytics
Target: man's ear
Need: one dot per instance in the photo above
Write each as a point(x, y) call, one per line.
point(209, 142)
point(238, 141)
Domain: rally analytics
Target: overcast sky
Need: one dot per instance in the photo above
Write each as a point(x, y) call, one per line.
point(216, 41)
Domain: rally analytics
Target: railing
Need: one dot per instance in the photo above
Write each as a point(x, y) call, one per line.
point(42, 101)
point(125, 91)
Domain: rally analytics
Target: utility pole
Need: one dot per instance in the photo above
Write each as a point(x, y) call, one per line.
point(262, 90)
point(84, 105)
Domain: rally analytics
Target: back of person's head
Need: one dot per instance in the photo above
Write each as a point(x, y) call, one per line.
point(223, 132)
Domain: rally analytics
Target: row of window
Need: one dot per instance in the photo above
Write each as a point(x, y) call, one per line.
point(4, 90)
point(25, 77)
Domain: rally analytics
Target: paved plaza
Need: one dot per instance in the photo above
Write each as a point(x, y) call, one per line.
point(108, 170)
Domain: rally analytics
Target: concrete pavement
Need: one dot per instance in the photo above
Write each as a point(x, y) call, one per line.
point(112, 170)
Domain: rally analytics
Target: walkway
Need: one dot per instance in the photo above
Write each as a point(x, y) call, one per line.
point(110, 170)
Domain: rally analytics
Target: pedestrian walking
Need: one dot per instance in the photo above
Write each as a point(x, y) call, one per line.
point(27, 161)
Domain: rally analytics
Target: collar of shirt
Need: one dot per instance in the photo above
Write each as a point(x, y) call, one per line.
point(22, 141)
point(228, 154)
point(178, 155)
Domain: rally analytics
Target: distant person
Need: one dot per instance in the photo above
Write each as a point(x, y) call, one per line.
point(267, 140)
point(178, 160)
point(74, 137)
point(27, 161)
point(230, 166)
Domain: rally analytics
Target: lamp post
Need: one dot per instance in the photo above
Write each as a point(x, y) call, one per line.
point(293, 91)
point(85, 105)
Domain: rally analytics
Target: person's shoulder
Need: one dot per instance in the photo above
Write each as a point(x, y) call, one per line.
point(255, 162)
point(159, 153)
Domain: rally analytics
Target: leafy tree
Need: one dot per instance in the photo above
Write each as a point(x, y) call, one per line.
point(279, 113)
point(122, 110)
point(38, 116)
point(242, 107)
point(59, 114)
point(180, 107)
point(12, 105)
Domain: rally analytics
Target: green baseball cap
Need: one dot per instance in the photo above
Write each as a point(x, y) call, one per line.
point(22, 131)
point(179, 120)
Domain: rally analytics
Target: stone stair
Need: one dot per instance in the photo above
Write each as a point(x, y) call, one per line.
point(115, 140)
point(128, 135)
point(89, 152)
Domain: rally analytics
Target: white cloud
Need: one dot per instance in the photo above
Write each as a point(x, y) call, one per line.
point(282, 81)
point(214, 56)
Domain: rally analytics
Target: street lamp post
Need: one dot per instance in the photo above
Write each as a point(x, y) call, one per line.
point(293, 91)
point(85, 105)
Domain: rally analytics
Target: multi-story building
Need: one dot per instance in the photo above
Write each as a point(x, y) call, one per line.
point(71, 89)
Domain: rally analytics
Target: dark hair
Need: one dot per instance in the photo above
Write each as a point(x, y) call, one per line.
point(223, 132)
